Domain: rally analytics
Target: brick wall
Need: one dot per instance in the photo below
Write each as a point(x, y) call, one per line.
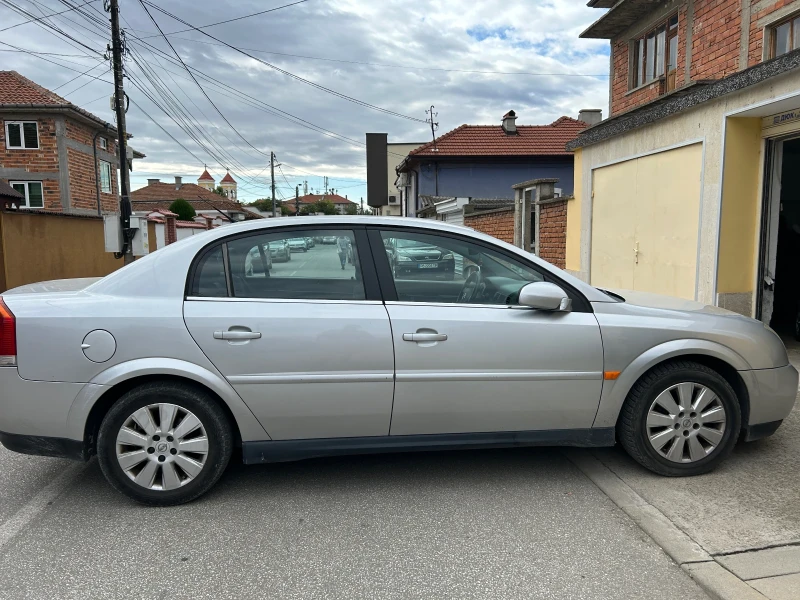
point(553, 232)
point(498, 223)
point(83, 186)
point(716, 36)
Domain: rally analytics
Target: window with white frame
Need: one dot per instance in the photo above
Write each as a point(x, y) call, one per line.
point(103, 143)
point(21, 135)
point(105, 177)
point(32, 190)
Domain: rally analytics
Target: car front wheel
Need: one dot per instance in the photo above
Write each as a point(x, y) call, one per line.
point(681, 418)
point(164, 443)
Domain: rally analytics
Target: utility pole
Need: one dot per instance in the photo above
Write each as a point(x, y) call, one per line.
point(297, 201)
point(362, 206)
point(117, 50)
point(272, 177)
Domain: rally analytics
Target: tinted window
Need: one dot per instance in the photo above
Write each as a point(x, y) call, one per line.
point(209, 279)
point(326, 271)
point(432, 268)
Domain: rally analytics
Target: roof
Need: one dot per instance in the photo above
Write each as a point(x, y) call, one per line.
point(227, 178)
point(189, 224)
point(620, 16)
point(18, 92)
point(9, 193)
point(492, 140)
point(160, 195)
point(206, 176)
point(686, 98)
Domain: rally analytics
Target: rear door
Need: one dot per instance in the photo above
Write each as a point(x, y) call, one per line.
point(308, 348)
point(468, 359)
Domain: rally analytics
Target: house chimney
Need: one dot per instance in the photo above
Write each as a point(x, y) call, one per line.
point(152, 181)
point(509, 124)
point(590, 116)
point(178, 182)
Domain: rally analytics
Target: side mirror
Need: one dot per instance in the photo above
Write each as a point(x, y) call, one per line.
point(545, 296)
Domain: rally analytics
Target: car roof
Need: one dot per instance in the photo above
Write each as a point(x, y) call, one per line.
point(163, 272)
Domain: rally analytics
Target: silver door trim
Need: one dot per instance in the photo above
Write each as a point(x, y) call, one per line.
point(453, 304)
point(280, 300)
point(311, 378)
point(499, 375)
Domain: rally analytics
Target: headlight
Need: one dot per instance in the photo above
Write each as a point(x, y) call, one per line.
point(448, 256)
point(402, 258)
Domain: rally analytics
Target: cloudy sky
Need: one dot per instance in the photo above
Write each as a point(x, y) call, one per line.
point(472, 60)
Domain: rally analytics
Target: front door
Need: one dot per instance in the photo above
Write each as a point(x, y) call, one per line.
point(308, 348)
point(468, 359)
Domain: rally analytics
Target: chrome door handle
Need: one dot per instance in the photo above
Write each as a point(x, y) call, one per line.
point(237, 335)
point(424, 337)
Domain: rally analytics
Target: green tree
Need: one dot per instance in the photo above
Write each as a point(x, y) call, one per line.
point(326, 207)
point(219, 191)
point(183, 209)
point(351, 209)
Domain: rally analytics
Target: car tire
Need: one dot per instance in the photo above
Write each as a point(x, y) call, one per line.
point(214, 431)
point(644, 423)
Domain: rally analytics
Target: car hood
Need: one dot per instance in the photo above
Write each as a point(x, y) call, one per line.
point(649, 300)
point(54, 285)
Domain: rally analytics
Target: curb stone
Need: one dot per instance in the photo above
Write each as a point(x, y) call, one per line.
point(713, 578)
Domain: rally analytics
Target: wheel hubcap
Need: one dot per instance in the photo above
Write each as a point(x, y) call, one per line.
point(686, 422)
point(162, 446)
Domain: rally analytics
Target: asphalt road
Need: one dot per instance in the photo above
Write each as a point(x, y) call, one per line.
point(321, 261)
point(488, 524)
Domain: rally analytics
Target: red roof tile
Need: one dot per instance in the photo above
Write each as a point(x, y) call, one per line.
point(16, 89)
point(189, 224)
point(492, 140)
point(311, 198)
point(228, 179)
point(157, 196)
point(206, 176)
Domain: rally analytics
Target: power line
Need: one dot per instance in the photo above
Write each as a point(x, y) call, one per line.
point(263, 12)
point(44, 17)
point(40, 21)
point(87, 71)
point(285, 72)
point(395, 66)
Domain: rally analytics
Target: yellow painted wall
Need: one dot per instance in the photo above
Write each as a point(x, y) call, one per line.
point(573, 256)
point(645, 219)
point(738, 249)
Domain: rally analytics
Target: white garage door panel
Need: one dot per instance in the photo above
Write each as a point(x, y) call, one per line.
point(650, 204)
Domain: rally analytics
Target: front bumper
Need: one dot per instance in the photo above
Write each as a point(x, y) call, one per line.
point(772, 394)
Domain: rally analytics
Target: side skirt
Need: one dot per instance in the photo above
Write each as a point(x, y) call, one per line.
point(289, 450)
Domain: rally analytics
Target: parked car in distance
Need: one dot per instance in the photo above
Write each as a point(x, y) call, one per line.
point(280, 251)
point(310, 242)
point(257, 259)
point(509, 352)
point(329, 239)
point(416, 260)
point(298, 244)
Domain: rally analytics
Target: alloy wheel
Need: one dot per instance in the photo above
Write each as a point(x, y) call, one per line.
point(162, 446)
point(686, 422)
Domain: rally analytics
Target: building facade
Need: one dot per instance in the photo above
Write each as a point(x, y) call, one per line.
point(59, 157)
point(487, 160)
point(689, 188)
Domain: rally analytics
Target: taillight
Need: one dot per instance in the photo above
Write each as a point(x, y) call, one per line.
point(8, 336)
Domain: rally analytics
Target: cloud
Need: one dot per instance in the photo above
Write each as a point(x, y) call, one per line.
point(397, 55)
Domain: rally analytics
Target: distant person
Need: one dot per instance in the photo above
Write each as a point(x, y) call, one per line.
point(343, 248)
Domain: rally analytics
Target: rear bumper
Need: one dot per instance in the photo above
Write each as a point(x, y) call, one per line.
point(772, 394)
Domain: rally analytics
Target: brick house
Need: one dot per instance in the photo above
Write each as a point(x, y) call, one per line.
point(689, 187)
point(487, 160)
point(341, 203)
point(58, 156)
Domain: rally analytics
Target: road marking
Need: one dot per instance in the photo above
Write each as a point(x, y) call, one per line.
point(31, 509)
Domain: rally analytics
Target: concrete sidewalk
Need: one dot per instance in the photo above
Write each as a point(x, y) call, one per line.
point(736, 530)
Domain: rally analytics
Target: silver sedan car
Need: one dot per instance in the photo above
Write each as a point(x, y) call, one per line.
point(165, 367)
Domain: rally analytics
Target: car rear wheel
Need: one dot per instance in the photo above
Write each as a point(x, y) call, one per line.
point(682, 418)
point(164, 443)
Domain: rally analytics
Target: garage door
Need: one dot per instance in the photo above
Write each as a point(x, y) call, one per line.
point(645, 223)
